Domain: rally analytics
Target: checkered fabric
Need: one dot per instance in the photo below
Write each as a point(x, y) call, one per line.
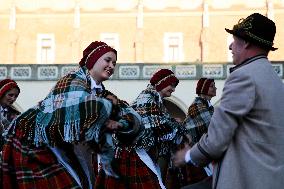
point(28, 167)
point(161, 130)
point(68, 115)
point(133, 174)
point(5, 121)
point(196, 122)
point(198, 118)
point(160, 134)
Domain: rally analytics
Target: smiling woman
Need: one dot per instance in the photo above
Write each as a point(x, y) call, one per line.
point(100, 60)
point(54, 144)
point(144, 162)
point(104, 67)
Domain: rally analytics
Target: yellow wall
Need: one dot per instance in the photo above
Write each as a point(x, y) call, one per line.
point(43, 17)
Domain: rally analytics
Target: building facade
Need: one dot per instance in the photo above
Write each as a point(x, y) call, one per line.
point(42, 40)
point(143, 31)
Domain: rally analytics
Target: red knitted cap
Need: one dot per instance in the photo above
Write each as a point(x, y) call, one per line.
point(93, 52)
point(6, 85)
point(203, 85)
point(163, 78)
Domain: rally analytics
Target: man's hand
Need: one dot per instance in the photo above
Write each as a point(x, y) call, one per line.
point(179, 157)
point(113, 125)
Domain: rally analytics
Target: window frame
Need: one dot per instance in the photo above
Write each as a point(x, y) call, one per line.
point(40, 38)
point(115, 36)
point(167, 36)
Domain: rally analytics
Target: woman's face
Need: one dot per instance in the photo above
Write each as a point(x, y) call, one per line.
point(167, 91)
point(212, 90)
point(9, 97)
point(104, 67)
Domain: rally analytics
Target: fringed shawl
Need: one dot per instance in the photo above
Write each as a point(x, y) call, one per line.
point(198, 118)
point(69, 113)
point(5, 121)
point(161, 130)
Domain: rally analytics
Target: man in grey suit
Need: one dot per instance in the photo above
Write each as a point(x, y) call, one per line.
point(245, 139)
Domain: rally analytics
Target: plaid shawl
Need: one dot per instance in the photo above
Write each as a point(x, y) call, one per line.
point(58, 117)
point(198, 118)
point(5, 121)
point(160, 133)
point(196, 124)
point(161, 130)
point(133, 173)
point(58, 120)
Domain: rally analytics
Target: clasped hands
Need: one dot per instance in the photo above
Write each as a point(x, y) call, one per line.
point(179, 157)
point(112, 125)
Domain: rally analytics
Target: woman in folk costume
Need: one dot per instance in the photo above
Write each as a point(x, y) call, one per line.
point(50, 145)
point(9, 92)
point(201, 110)
point(136, 162)
point(197, 122)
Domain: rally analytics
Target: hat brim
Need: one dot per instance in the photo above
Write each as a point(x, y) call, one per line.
point(249, 39)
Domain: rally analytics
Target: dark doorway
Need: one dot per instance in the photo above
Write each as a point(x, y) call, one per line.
point(174, 110)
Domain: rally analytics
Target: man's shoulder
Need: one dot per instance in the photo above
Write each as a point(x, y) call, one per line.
point(258, 64)
point(255, 69)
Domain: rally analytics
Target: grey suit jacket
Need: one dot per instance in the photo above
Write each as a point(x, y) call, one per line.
point(245, 138)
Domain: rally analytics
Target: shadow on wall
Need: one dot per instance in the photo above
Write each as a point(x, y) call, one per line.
point(174, 110)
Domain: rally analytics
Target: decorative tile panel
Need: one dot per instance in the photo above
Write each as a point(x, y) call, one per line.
point(47, 72)
point(66, 69)
point(19, 73)
point(124, 71)
point(148, 71)
point(212, 70)
point(129, 72)
point(3, 73)
point(186, 71)
point(278, 69)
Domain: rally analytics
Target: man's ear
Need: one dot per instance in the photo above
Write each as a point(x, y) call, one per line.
point(247, 44)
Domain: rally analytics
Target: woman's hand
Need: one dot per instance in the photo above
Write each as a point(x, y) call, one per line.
point(113, 125)
point(178, 119)
point(112, 98)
